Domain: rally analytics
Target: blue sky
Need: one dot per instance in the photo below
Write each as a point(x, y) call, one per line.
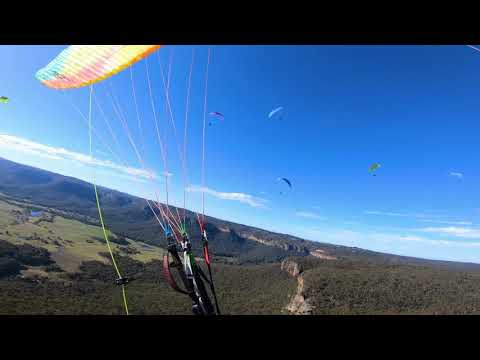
point(413, 109)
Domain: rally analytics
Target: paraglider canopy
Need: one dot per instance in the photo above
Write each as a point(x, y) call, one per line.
point(373, 168)
point(286, 181)
point(81, 65)
point(276, 113)
point(216, 115)
point(4, 99)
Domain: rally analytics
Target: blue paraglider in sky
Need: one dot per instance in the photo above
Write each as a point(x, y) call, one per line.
point(276, 113)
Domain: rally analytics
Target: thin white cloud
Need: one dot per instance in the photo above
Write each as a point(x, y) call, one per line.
point(385, 213)
point(251, 200)
point(359, 239)
point(460, 232)
point(390, 213)
point(309, 215)
point(55, 153)
point(459, 244)
point(420, 217)
point(458, 175)
point(467, 223)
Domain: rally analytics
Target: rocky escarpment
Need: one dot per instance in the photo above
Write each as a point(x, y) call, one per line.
point(298, 305)
point(321, 254)
point(281, 244)
point(268, 239)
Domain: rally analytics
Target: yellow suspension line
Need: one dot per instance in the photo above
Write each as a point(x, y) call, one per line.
point(98, 205)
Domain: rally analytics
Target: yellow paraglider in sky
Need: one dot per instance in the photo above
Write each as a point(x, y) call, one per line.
point(81, 65)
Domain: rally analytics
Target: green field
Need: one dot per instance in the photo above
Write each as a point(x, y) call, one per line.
point(70, 242)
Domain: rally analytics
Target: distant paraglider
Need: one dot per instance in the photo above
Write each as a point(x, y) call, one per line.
point(286, 181)
point(215, 115)
point(4, 99)
point(373, 168)
point(276, 113)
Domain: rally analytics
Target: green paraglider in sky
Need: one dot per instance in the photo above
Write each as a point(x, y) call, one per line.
point(373, 168)
point(4, 99)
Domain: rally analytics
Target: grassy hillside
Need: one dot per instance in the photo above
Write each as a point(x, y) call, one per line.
point(70, 242)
